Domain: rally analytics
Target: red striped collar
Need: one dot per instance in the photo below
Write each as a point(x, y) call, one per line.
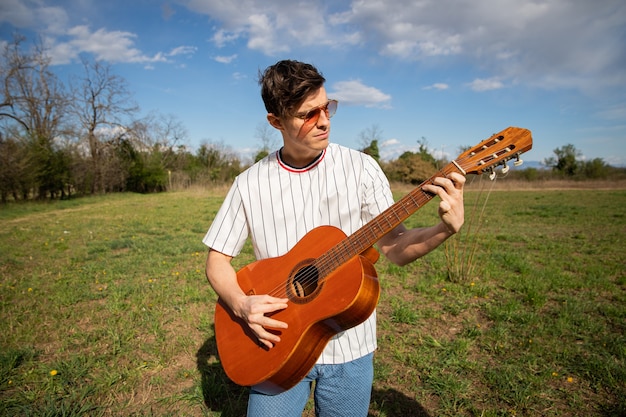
point(306, 168)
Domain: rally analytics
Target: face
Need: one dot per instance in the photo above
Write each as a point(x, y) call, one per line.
point(304, 134)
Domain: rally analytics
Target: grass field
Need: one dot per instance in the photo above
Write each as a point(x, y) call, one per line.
point(105, 310)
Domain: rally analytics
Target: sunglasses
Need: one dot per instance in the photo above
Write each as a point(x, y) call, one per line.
point(313, 115)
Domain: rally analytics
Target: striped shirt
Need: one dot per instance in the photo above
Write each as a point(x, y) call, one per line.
point(275, 205)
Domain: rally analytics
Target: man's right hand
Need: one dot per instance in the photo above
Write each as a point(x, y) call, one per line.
point(254, 310)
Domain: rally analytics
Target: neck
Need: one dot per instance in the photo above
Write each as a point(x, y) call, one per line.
point(299, 161)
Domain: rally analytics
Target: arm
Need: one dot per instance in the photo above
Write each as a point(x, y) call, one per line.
point(251, 309)
point(402, 246)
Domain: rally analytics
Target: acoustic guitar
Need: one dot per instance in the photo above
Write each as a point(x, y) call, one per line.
point(330, 281)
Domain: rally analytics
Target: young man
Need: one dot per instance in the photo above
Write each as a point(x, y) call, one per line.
point(308, 183)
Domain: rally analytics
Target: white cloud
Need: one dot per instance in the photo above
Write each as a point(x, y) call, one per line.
point(19, 13)
point(356, 93)
point(390, 142)
point(223, 37)
point(110, 46)
point(274, 27)
point(65, 43)
point(486, 84)
point(183, 50)
point(225, 59)
point(437, 86)
point(555, 44)
point(391, 149)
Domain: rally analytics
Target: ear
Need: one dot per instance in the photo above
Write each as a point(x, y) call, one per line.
point(274, 121)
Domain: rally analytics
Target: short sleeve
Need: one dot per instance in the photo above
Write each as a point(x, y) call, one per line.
point(228, 231)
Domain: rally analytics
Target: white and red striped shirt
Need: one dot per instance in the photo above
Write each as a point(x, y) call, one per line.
point(275, 205)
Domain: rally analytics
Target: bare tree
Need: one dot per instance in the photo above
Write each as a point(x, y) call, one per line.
point(168, 136)
point(13, 63)
point(103, 107)
point(267, 136)
point(366, 136)
point(369, 139)
point(35, 101)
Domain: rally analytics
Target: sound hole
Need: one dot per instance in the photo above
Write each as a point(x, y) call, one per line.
point(304, 284)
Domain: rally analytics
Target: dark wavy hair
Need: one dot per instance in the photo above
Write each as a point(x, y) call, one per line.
point(286, 84)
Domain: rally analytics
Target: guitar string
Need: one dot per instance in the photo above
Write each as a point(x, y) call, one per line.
point(311, 276)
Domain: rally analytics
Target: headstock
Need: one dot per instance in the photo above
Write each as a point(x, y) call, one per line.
point(494, 151)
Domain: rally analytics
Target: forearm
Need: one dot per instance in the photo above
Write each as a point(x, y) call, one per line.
point(404, 246)
point(251, 308)
point(223, 278)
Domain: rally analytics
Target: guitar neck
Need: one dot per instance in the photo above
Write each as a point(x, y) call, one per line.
point(483, 157)
point(378, 227)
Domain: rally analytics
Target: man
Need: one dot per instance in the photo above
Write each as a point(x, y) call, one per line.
point(308, 183)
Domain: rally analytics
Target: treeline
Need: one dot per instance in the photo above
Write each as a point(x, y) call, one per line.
point(85, 137)
point(566, 164)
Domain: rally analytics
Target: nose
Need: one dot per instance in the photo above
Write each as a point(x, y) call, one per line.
point(323, 120)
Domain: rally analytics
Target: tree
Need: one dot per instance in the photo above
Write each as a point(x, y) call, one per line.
point(424, 153)
point(218, 162)
point(595, 169)
point(267, 136)
point(16, 170)
point(369, 139)
point(566, 161)
point(410, 168)
point(372, 150)
point(33, 108)
point(103, 108)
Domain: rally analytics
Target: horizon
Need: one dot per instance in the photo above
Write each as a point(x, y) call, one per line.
point(452, 73)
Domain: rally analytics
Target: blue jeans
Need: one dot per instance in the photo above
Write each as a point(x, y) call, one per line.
point(340, 390)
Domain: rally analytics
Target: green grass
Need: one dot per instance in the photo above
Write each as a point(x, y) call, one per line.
point(105, 310)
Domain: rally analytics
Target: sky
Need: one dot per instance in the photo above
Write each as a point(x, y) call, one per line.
point(448, 73)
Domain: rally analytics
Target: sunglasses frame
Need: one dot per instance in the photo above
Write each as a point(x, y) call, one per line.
point(315, 112)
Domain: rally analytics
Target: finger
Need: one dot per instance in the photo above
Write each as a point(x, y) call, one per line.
point(268, 341)
point(266, 308)
point(458, 179)
point(274, 324)
point(445, 183)
point(263, 321)
point(271, 299)
point(432, 189)
point(445, 206)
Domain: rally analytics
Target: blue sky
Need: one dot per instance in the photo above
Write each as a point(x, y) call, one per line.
point(450, 71)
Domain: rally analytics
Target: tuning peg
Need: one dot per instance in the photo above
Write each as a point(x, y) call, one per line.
point(505, 168)
point(492, 176)
point(518, 162)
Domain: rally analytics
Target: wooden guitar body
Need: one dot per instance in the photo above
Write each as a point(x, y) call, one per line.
point(319, 308)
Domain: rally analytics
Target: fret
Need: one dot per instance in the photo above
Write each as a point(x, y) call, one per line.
point(382, 224)
point(372, 232)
